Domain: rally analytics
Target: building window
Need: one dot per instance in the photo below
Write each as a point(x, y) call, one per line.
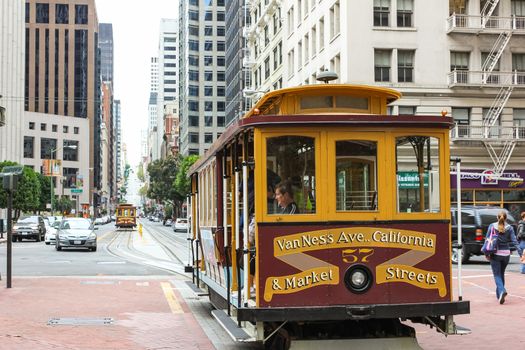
point(194, 15)
point(81, 14)
point(405, 10)
point(193, 75)
point(193, 106)
point(381, 13)
point(43, 127)
point(208, 16)
point(194, 120)
point(54, 128)
point(193, 151)
point(70, 177)
point(489, 78)
point(220, 106)
point(220, 46)
point(208, 60)
point(220, 121)
point(65, 129)
point(267, 68)
point(208, 91)
point(335, 20)
point(461, 118)
point(193, 30)
point(76, 130)
point(291, 59)
point(208, 120)
point(61, 13)
point(31, 126)
point(321, 34)
point(42, 13)
point(208, 137)
point(193, 137)
point(405, 66)
point(46, 146)
point(29, 147)
point(193, 60)
point(193, 90)
point(221, 91)
point(518, 67)
point(220, 61)
point(459, 63)
point(193, 45)
point(208, 106)
point(70, 150)
point(220, 31)
point(382, 65)
point(208, 30)
point(220, 76)
point(208, 45)
point(407, 110)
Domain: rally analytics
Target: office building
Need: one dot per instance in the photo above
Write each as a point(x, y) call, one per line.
point(202, 64)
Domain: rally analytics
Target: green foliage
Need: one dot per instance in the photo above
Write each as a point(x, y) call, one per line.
point(140, 173)
point(182, 181)
point(45, 191)
point(64, 204)
point(162, 175)
point(27, 196)
point(168, 211)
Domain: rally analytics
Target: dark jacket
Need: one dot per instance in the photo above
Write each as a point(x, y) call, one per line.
point(506, 239)
point(521, 230)
point(290, 209)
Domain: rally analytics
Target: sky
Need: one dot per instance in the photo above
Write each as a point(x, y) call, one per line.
point(135, 39)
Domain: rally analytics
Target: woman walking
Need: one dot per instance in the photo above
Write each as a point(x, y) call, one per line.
point(500, 259)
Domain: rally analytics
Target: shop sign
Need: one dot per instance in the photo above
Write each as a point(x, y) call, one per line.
point(410, 179)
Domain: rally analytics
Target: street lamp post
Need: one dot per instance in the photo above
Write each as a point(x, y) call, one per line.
point(53, 151)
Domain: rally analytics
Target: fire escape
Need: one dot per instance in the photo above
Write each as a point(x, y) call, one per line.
point(499, 141)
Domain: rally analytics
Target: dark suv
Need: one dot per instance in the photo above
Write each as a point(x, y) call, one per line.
point(30, 227)
point(475, 221)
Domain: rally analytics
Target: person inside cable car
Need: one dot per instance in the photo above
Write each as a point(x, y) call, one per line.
point(284, 198)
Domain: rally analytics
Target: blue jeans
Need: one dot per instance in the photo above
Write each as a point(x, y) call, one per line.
point(522, 245)
point(498, 265)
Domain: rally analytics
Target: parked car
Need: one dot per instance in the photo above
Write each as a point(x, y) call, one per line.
point(76, 233)
point(51, 232)
point(475, 221)
point(181, 224)
point(29, 227)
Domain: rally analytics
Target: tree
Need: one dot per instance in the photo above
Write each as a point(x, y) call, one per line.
point(182, 181)
point(64, 204)
point(140, 173)
point(45, 191)
point(27, 196)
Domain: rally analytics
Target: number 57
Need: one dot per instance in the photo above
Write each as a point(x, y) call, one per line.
point(353, 255)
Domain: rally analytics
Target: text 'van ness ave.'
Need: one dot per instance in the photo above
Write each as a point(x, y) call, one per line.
point(354, 237)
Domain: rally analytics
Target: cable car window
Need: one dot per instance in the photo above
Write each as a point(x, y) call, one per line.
point(417, 160)
point(351, 102)
point(356, 175)
point(290, 161)
point(314, 102)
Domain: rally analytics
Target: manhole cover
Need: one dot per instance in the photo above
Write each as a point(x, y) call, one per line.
point(80, 321)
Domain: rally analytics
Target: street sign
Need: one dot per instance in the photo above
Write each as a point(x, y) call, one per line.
point(76, 190)
point(12, 169)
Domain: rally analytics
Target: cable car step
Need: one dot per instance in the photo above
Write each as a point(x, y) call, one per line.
point(230, 326)
point(199, 292)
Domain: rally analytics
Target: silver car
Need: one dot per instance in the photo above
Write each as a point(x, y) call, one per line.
point(76, 233)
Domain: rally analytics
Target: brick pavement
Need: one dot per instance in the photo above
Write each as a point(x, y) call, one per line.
point(493, 326)
point(142, 315)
